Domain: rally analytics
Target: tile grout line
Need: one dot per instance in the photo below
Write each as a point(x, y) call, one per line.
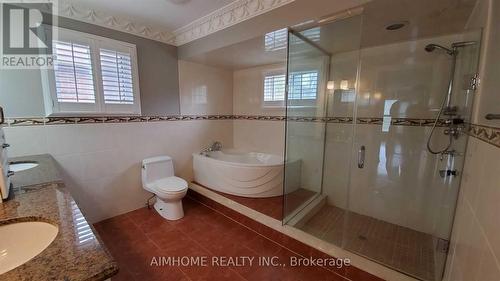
point(154, 243)
point(191, 239)
point(282, 246)
point(206, 249)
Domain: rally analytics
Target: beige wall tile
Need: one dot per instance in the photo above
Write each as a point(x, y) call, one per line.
point(248, 91)
point(205, 89)
point(105, 177)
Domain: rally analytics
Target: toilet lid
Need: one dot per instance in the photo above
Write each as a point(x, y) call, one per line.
point(170, 184)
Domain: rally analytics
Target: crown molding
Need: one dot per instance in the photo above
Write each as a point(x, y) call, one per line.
point(229, 15)
point(92, 16)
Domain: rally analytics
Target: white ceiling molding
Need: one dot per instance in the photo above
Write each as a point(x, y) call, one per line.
point(236, 12)
point(229, 15)
point(117, 23)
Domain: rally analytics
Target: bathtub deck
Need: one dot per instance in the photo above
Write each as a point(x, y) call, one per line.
point(272, 206)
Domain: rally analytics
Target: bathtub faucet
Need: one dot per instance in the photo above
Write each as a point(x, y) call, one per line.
point(215, 146)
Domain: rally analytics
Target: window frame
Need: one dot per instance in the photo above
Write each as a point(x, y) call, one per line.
point(274, 103)
point(301, 74)
point(96, 43)
point(296, 103)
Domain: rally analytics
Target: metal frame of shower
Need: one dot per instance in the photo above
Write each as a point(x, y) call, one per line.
point(295, 30)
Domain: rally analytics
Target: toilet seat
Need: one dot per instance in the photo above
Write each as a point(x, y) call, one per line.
point(168, 185)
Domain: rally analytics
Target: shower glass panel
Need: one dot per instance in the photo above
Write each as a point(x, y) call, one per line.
point(307, 73)
point(359, 174)
point(402, 198)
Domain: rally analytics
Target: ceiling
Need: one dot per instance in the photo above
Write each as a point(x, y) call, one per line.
point(167, 14)
point(243, 55)
point(175, 22)
point(424, 18)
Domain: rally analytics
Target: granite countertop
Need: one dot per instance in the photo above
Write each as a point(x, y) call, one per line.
point(31, 179)
point(74, 254)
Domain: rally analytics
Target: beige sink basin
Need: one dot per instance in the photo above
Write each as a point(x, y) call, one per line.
point(20, 242)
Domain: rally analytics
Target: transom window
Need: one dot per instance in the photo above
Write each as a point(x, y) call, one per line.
point(277, 40)
point(92, 75)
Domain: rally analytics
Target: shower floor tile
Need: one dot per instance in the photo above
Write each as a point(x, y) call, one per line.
point(399, 247)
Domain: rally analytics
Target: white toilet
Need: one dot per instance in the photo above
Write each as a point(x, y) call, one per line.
point(158, 178)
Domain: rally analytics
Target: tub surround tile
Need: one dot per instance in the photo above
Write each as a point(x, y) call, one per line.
point(203, 89)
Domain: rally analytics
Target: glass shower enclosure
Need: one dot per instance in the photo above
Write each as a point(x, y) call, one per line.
point(359, 116)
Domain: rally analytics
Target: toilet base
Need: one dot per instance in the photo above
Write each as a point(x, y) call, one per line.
point(169, 210)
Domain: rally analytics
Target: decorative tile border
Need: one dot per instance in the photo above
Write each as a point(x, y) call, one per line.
point(401, 121)
point(129, 119)
point(487, 134)
point(25, 121)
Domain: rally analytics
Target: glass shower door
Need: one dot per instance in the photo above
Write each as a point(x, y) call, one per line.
point(359, 174)
point(402, 197)
point(307, 75)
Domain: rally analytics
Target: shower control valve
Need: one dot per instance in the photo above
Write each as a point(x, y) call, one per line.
point(453, 131)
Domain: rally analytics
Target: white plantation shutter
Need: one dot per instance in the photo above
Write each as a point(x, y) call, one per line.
point(276, 40)
point(92, 75)
point(303, 85)
point(116, 73)
point(73, 73)
point(274, 87)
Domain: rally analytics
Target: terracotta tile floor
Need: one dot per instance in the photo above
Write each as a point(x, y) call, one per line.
point(272, 206)
point(402, 248)
point(136, 237)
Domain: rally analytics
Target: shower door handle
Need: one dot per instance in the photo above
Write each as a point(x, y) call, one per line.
point(361, 157)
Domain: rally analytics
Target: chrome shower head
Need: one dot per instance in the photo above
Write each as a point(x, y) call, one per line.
point(432, 47)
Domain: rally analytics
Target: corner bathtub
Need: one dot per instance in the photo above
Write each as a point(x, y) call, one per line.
point(256, 175)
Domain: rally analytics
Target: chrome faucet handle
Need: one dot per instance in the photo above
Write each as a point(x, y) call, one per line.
point(216, 146)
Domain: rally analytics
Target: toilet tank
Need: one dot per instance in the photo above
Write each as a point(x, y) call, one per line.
point(156, 168)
